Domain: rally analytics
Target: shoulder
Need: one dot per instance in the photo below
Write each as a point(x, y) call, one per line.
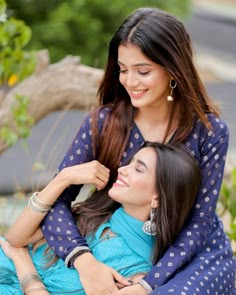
point(99, 115)
point(218, 124)
point(202, 140)
point(217, 128)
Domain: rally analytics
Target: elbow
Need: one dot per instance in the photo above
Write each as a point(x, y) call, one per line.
point(14, 240)
point(17, 240)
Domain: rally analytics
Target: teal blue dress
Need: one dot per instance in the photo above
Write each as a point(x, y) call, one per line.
point(129, 252)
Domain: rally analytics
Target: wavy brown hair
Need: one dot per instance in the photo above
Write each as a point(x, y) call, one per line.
point(177, 178)
point(164, 40)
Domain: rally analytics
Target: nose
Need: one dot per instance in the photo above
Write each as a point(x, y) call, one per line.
point(123, 170)
point(130, 80)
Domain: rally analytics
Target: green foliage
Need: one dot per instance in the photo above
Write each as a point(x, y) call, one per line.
point(81, 27)
point(15, 63)
point(227, 202)
point(20, 127)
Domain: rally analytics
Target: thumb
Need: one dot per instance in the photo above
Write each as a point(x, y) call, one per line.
point(120, 279)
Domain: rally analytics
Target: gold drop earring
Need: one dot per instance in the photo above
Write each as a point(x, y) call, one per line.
point(172, 85)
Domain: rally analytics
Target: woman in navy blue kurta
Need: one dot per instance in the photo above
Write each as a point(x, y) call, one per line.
point(154, 93)
point(202, 246)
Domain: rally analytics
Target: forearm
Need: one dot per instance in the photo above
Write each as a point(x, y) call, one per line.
point(28, 222)
point(27, 274)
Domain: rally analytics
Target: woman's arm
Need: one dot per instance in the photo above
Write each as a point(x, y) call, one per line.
point(29, 279)
point(27, 224)
point(211, 154)
point(59, 228)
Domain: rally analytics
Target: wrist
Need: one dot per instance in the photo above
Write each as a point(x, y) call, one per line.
point(145, 286)
point(75, 254)
point(36, 289)
point(83, 260)
point(31, 282)
point(61, 180)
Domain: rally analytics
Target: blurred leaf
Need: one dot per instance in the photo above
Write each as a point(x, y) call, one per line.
point(3, 7)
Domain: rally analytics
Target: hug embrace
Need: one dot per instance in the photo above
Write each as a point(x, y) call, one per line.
point(155, 151)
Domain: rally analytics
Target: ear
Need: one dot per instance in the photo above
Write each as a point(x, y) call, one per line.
point(155, 202)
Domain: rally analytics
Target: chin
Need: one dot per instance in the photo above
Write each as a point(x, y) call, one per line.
point(112, 194)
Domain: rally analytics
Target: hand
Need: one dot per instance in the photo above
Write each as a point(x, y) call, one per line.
point(91, 172)
point(132, 290)
point(96, 277)
point(10, 251)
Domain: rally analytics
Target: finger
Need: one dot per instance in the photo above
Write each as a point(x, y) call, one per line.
point(120, 286)
point(120, 279)
point(104, 170)
point(99, 181)
point(100, 185)
point(114, 289)
point(103, 178)
point(100, 173)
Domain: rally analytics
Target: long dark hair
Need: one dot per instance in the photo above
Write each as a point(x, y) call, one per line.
point(163, 39)
point(178, 179)
point(177, 182)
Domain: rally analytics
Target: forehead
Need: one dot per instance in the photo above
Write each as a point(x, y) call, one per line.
point(131, 53)
point(148, 156)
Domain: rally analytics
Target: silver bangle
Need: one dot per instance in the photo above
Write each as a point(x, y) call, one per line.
point(28, 291)
point(35, 197)
point(28, 279)
point(37, 205)
point(145, 285)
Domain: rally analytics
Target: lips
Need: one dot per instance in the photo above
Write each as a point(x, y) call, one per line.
point(120, 182)
point(137, 93)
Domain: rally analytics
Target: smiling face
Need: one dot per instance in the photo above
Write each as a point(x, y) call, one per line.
point(146, 82)
point(135, 185)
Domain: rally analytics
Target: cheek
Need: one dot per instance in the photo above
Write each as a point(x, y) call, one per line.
point(143, 185)
point(122, 79)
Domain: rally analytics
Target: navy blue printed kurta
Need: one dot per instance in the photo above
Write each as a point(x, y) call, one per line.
point(201, 260)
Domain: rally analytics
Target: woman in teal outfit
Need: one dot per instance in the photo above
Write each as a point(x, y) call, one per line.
point(156, 190)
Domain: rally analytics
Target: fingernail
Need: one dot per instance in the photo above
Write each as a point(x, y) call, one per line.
point(130, 281)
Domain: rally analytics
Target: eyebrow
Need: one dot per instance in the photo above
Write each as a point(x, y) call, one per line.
point(142, 163)
point(142, 64)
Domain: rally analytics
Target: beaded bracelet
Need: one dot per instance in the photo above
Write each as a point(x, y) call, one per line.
point(73, 258)
point(78, 251)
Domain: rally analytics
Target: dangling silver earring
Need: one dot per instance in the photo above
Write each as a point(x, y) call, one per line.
point(149, 227)
point(172, 85)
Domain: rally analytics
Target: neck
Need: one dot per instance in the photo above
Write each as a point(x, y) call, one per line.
point(141, 214)
point(153, 122)
point(153, 115)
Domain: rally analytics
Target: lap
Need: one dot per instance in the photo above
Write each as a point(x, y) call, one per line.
point(211, 271)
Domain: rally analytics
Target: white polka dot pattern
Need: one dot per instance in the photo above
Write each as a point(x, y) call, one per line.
point(201, 257)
